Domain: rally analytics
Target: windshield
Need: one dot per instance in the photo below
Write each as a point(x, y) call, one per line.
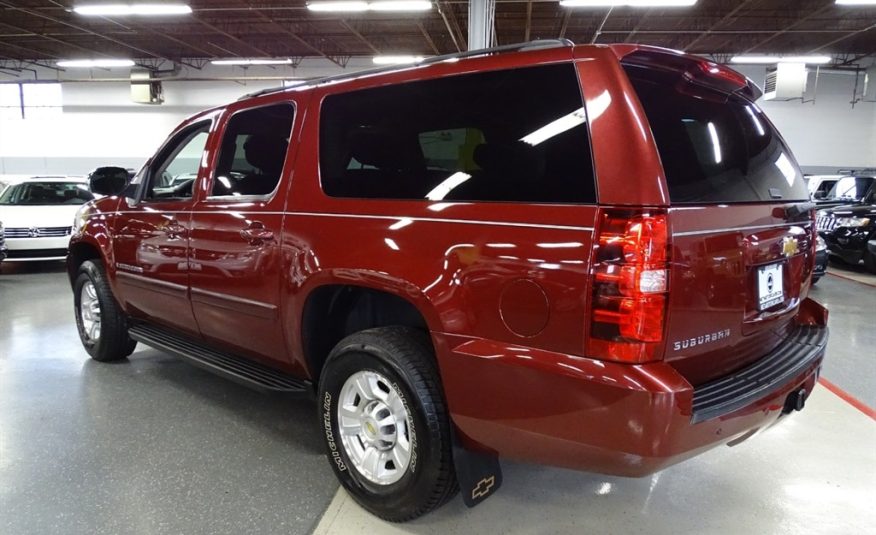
point(46, 194)
point(851, 188)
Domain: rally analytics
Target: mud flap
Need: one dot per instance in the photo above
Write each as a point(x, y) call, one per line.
point(479, 474)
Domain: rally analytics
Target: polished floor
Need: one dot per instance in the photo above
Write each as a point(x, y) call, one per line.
point(154, 445)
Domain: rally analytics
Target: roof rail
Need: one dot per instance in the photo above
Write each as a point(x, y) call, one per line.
point(517, 47)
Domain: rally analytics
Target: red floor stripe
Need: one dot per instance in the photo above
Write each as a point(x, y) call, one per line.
point(848, 398)
point(870, 284)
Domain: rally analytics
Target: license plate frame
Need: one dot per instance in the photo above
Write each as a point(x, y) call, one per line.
point(770, 285)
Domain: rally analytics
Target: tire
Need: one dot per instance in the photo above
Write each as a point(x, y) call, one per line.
point(396, 361)
point(816, 279)
point(110, 340)
point(870, 261)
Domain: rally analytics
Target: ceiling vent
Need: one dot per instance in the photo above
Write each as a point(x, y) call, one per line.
point(143, 90)
point(786, 82)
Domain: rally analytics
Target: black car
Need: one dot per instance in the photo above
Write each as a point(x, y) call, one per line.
point(853, 189)
point(847, 228)
point(820, 260)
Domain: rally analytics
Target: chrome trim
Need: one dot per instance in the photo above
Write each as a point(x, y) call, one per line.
point(149, 281)
point(381, 217)
point(751, 227)
point(234, 299)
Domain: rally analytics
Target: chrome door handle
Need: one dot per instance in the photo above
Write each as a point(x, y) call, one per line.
point(256, 234)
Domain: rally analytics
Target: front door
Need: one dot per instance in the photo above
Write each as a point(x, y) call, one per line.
point(235, 257)
point(151, 238)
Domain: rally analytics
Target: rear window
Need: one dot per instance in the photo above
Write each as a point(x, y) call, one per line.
point(715, 147)
point(515, 135)
point(46, 193)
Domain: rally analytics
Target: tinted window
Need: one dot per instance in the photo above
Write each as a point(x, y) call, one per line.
point(851, 188)
point(715, 147)
point(512, 135)
point(174, 172)
point(46, 193)
point(253, 151)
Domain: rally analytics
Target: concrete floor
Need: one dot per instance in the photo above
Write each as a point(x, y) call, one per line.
point(154, 445)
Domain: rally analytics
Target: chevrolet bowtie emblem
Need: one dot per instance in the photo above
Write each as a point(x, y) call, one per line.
point(483, 487)
point(790, 247)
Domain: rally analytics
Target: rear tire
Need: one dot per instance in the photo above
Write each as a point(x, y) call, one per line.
point(384, 383)
point(102, 326)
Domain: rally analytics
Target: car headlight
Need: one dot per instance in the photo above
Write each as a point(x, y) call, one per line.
point(820, 244)
point(81, 218)
point(852, 221)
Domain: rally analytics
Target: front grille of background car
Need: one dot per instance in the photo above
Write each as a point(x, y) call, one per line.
point(36, 253)
point(44, 232)
point(824, 222)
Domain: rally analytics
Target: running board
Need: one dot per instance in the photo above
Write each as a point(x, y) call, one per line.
point(236, 368)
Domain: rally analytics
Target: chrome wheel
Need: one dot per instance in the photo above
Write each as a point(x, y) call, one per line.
point(374, 426)
point(89, 311)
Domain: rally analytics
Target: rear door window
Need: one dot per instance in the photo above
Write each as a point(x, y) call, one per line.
point(715, 147)
point(516, 135)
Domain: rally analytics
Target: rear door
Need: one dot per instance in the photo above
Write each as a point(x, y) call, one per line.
point(235, 256)
point(741, 227)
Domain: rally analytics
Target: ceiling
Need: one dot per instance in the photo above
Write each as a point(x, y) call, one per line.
point(47, 30)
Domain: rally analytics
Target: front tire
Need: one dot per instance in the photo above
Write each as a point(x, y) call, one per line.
point(870, 261)
point(102, 326)
point(385, 424)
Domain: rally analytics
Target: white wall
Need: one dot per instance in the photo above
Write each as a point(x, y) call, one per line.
point(101, 126)
point(828, 133)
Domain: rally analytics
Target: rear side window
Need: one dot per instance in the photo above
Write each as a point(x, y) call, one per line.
point(715, 147)
point(514, 135)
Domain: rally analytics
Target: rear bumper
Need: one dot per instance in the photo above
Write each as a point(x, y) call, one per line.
point(629, 420)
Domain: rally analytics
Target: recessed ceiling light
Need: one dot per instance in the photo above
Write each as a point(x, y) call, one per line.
point(379, 5)
point(627, 3)
point(856, 2)
point(252, 61)
point(132, 9)
point(90, 63)
point(396, 60)
point(770, 60)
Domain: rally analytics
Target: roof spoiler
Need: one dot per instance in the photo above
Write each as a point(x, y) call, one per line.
point(694, 69)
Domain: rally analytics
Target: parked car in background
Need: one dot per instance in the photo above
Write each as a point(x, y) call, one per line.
point(2, 242)
point(38, 214)
point(853, 189)
point(819, 186)
point(847, 229)
point(821, 258)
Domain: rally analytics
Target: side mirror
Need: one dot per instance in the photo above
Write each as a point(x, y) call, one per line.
point(108, 180)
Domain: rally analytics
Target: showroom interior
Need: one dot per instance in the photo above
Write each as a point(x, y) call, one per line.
point(154, 443)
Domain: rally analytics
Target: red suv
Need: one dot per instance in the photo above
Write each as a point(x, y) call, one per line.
point(595, 257)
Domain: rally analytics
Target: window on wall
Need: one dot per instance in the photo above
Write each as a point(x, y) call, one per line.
point(27, 101)
point(516, 135)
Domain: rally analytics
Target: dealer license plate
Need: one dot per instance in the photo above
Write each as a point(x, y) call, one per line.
point(769, 286)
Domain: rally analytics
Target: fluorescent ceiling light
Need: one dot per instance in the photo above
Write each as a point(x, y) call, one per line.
point(252, 61)
point(338, 6)
point(627, 3)
point(132, 9)
point(380, 5)
point(396, 60)
point(400, 5)
point(856, 2)
point(771, 60)
point(89, 63)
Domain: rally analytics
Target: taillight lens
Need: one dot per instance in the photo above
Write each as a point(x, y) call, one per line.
point(630, 280)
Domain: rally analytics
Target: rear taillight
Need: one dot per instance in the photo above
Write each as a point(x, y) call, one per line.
point(630, 280)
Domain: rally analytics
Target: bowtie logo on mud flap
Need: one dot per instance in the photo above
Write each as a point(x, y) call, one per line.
point(483, 487)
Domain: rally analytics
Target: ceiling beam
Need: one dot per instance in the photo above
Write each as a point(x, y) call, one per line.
point(53, 39)
point(726, 18)
point(565, 24)
point(445, 9)
point(799, 21)
point(638, 26)
point(528, 21)
point(428, 38)
point(598, 31)
point(843, 38)
point(30, 50)
point(234, 38)
point(80, 28)
point(359, 36)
